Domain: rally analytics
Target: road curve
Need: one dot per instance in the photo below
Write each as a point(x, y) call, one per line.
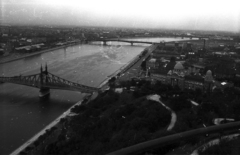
point(173, 114)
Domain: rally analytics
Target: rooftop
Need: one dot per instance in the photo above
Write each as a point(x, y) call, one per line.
point(179, 66)
point(197, 78)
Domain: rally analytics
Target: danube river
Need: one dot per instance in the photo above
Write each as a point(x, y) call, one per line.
point(23, 114)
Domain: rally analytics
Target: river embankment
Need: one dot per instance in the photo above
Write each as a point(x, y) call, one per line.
point(11, 58)
point(55, 123)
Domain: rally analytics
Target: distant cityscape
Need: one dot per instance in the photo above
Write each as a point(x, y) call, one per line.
point(169, 89)
point(21, 39)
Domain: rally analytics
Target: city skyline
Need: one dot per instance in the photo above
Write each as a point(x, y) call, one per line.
point(185, 14)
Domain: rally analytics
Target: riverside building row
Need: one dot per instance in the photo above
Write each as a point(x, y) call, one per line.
point(183, 66)
point(189, 79)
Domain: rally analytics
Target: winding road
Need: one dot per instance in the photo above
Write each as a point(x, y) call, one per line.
point(173, 114)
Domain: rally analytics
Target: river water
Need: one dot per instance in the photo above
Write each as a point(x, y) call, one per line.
point(23, 114)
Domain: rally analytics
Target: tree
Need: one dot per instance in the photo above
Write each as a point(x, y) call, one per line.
point(62, 120)
point(29, 148)
point(144, 65)
point(113, 79)
point(179, 103)
point(22, 153)
point(36, 143)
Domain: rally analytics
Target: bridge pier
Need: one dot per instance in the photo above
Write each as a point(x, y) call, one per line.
point(131, 43)
point(44, 92)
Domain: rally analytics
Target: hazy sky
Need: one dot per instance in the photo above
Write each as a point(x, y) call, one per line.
point(177, 14)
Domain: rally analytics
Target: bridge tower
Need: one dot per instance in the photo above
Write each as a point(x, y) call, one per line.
point(44, 91)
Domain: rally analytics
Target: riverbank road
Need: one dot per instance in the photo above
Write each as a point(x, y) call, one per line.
point(135, 70)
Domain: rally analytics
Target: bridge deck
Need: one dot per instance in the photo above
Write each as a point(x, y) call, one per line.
point(48, 81)
point(127, 41)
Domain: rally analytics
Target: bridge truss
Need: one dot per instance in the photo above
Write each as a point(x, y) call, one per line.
point(49, 81)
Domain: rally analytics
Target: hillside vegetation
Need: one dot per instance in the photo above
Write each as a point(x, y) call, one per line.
point(116, 120)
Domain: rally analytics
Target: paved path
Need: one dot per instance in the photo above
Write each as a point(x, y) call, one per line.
point(173, 114)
